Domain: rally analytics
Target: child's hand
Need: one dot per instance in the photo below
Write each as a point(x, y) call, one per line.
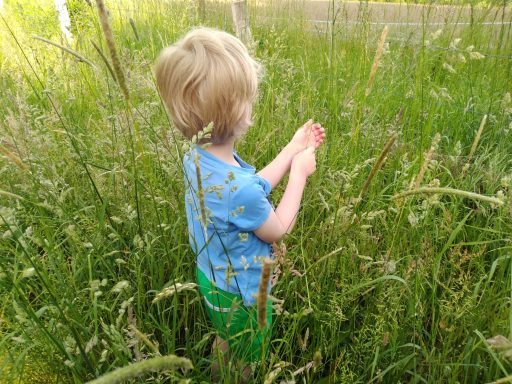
point(304, 163)
point(309, 135)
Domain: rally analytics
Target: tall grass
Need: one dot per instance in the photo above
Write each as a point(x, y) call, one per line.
point(95, 266)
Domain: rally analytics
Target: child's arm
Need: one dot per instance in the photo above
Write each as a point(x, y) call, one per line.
point(281, 221)
point(308, 135)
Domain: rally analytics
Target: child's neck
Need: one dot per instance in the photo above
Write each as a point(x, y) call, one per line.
point(224, 151)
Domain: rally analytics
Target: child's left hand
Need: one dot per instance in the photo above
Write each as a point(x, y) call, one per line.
point(310, 134)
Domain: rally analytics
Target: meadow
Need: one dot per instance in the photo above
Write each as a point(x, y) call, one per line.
point(399, 267)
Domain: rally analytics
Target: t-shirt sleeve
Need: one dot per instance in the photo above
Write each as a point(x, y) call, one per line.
point(250, 207)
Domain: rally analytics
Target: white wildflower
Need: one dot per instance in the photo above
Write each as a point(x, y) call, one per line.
point(461, 57)
point(470, 48)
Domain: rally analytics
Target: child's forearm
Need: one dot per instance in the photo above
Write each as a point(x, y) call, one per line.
point(281, 221)
point(277, 168)
point(289, 205)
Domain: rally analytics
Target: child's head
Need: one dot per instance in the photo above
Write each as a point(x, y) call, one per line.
point(208, 76)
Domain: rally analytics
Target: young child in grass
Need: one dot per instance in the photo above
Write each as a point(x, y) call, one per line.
point(209, 77)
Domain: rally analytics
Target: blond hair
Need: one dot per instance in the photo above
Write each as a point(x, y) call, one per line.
point(208, 76)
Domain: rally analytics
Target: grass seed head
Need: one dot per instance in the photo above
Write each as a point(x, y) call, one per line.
point(376, 60)
point(262, 292)
point(109, 38)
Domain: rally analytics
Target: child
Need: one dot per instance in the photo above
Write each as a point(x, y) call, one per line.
point(209, 77)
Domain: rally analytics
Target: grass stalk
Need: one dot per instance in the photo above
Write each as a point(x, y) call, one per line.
point(449, 191)
point(105, 60)
point(109, 38)
point(378, 164)
point(141, 368)
point(428, 156)
point(263, 292)
point(15, 159)
point(200, 195)
point(376, 60)
point(80, 57)
point(11, 195)
point(475, 144)
point(142, 337)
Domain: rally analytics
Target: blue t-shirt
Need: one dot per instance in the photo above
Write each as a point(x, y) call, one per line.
point(235, 204)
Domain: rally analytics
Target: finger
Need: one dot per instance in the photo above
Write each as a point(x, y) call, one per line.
point(318, 130)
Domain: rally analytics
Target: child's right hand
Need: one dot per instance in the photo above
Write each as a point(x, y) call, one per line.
point(304, 163)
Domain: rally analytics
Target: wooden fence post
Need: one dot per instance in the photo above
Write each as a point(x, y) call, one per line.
point(241, 21)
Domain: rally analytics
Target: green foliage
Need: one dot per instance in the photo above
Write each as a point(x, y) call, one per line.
point(374, 290)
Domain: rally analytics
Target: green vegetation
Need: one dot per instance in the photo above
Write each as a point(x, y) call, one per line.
point(374, 289)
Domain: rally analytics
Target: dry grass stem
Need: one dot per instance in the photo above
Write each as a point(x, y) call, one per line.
point(109, 38)
point(475, 143)
point(376, 60)
point(15, 159)
point(428, 156)
point(449, 191)
point(67, 50)
point(262, 292)
point(378, 165)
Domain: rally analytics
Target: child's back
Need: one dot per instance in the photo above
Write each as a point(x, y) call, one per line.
point(209, 77)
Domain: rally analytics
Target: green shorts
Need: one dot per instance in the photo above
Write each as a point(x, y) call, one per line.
point(236, 323)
